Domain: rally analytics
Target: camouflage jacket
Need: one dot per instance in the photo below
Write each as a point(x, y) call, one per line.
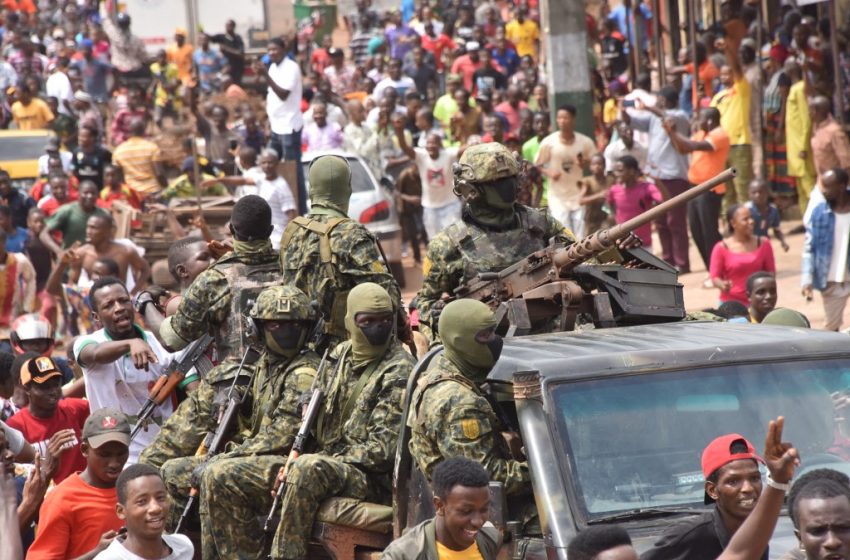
point(207, 307)
point(368, 436)
point(275, 413)
point(354, 258)
point(449, 416)
point(464, 249)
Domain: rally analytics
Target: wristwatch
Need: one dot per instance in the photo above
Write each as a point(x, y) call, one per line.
point(142, 300)
point(784, 487)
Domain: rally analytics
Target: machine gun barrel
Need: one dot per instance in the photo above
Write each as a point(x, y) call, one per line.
point(592, 245)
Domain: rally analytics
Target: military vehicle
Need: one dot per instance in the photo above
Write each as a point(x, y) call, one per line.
point(614, 422)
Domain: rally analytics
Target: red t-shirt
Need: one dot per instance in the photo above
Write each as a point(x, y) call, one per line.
point(436, 46)
point(511, 114)
point(70, 414)
point(72, 519)
point(737, 267)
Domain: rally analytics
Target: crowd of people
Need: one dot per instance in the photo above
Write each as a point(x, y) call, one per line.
point(449, 101)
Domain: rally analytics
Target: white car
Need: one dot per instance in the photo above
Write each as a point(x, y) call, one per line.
point(371, 204)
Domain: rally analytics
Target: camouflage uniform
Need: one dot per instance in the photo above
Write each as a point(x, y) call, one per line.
point(209, 305)
point(325, 254)
point(464, 249)
point(356, 438)
point(449, 416)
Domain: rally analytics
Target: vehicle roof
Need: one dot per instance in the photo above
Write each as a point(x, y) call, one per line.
point(310, 156)
point(568, 355)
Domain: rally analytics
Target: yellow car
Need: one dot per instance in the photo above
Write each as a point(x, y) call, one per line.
point(19, 153)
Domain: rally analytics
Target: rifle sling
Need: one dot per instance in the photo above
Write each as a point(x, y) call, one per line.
point(348, 407)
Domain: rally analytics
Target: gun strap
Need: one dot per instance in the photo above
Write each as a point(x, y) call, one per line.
point(358, 389)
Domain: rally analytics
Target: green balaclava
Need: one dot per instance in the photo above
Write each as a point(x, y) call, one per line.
point(492, 169)
point(366, 345)
point(491, 207)
point(330, 185)
point(787, 318)
point(460, 321)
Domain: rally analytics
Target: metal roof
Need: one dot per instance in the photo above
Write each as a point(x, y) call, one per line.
point(682, 344)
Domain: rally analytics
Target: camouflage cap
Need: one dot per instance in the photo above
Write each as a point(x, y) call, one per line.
point(283, 303)
point(482, 163)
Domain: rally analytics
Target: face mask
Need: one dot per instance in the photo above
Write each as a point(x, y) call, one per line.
point(506, 192)
point(285, 340)
point(378, 333)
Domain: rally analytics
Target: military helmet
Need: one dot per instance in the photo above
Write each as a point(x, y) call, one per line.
point(483, 163)
point(283, 303)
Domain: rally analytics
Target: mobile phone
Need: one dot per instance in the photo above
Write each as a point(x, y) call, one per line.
point(234, 144)
point(629, 103)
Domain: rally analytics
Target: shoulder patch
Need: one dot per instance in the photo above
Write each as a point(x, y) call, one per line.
point(377, 266)
point(426, 266)
point(471, 428)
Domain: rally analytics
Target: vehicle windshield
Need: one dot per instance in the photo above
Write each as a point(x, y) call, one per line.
point(635, 442)
point(14, 148)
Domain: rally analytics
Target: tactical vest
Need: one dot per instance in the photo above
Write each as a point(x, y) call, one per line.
point(493, 251)
point(246, 281)
point(428, 381)
point(332, 300)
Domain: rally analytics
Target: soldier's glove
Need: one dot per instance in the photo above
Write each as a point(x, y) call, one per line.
point(436, 310)
point(142, 299)
point(405, 333)
point(198, 474)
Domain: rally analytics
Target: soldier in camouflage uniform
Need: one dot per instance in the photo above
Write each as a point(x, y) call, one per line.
point(495, 231)
point(326, 253)
point(234, 485)
point(449, 415)
point(357, 429)
point(215, 303)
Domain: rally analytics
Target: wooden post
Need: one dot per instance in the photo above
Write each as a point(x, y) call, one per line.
point(659, 42)
point(760, 115)
point(692, 29)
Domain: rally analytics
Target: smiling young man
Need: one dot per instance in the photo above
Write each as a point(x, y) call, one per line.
point(820, 510)
point(733, 482)
point(143, 505)
point(121, 360)
point(78, 519)
point(460, 529)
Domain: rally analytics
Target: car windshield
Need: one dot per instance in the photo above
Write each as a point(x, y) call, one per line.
point(15, 148)
point(360, 180)
point(635, 442)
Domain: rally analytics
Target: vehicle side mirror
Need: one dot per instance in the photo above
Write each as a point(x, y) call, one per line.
point(387, 183)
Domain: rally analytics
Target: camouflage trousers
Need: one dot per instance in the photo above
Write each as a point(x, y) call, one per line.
point(177, 475)
point(234, 493)
point(184, 430)
point(311, 479)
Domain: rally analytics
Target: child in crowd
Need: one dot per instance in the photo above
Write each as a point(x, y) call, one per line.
point(765, 214)
point(594, 192)
point(48, 413)
point(143, 505)
point(78, 517)
point(630, 197)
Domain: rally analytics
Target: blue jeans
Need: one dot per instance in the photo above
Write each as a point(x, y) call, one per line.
point(288, 147)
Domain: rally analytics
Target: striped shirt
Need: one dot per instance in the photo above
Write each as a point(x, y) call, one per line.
point(137, 157)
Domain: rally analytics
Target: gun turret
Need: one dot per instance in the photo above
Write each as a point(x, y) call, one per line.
point(554, 282)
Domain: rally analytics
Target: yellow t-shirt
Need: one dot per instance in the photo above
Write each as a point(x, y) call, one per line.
point(33, 116)
point(524, 36)
point(734, 106)
point(610, 111)
point(471, 553)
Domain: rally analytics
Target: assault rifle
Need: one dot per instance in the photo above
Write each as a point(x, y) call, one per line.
point(317, 397)
point(555, 284)
point(166, 383)
point(215, 441)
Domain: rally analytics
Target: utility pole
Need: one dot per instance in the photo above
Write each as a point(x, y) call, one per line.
point(568, 73)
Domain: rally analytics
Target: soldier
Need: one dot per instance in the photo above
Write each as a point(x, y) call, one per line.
point(449, 415)
point(326, 253)
point(234, 486)
point(216, 302)
point(495, 231)
point(357, 429)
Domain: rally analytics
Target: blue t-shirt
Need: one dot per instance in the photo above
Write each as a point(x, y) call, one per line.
point(94, 73)
point(764, 223)
point(209, 63)
point(15, 241)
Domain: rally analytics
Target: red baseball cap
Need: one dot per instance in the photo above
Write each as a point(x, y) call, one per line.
point(719, 453)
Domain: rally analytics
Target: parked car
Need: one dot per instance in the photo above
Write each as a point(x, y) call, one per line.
point(372, 205)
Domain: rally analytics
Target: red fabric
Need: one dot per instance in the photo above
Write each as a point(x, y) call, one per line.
point(511, 114)
point(72, 519)
point(436, 46)
point(464, 66)
point(737, 267)
point(70, 414)
point(631, 201)
point(37, 192)
point(8, 287)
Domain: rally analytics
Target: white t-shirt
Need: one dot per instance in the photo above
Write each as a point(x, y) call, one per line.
point(279, 197)
point(285, 116)
point(64, 157)
point(840, 245)
point(564, 192)
point(180, 545)
point(436, 176)
point(122, 386)
point(402, 86)
point(59, 86)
